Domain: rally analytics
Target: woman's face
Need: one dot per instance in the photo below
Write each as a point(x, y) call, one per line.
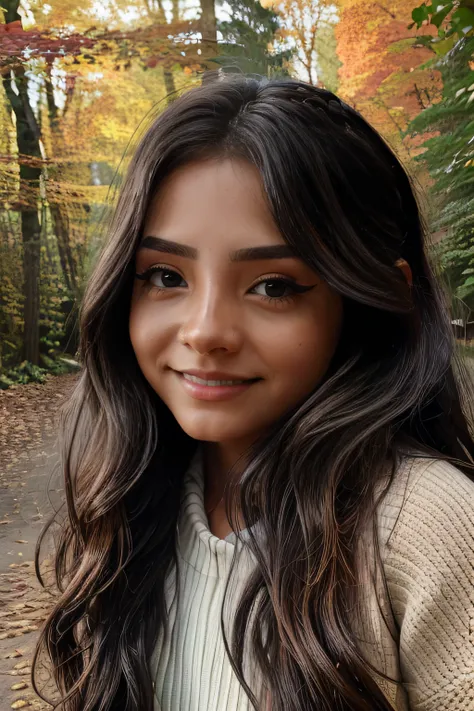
point(211, 309)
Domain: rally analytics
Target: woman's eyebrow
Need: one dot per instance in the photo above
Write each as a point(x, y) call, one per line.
point(277, 251)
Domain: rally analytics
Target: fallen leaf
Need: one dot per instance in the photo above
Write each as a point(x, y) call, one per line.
point(16, 625)
point(9, 635)
point(20, 540)
point(23, 672)
point(20, 704)
point(21, 665)
point(19, 685)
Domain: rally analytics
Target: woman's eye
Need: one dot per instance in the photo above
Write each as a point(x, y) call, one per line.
point(155, 275)
point(275, 288)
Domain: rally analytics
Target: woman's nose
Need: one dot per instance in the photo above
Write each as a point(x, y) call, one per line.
point(211, 322)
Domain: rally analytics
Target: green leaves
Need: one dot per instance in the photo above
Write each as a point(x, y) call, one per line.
point(248, 35)
point(463, 20)
point(444, 46)
point(420, 14)
point(438, 17)
point(449, 155)
point(460, 23)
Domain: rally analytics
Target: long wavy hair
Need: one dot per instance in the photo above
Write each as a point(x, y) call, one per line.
point(343, 201)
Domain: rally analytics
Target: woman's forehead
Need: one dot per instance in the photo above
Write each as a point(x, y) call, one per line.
point(212, 204)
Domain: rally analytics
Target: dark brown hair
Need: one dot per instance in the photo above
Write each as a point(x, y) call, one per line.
point(344, 202)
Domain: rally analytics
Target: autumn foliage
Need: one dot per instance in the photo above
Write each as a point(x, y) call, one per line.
point(382, 72)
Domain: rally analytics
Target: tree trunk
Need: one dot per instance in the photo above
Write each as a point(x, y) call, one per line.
point(157, 13)
point(167, 73)
point(27, 133)
point(169, 85)
point(59, 214)
point(31, 230)
point(61, 230)
point(209, 39)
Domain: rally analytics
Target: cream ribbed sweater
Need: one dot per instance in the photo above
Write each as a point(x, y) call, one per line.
point(426, 533)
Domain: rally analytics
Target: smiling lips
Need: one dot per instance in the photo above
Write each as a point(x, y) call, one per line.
point(215, 377)
point(210, 389)
point(212, 383)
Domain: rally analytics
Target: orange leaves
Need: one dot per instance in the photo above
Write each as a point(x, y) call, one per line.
point(373, 43)
point(382, 72)
point(11, 28)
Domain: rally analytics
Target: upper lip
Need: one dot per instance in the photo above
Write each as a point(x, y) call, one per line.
point(215, 375)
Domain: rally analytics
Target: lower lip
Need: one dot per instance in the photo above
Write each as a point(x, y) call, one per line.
point(213, 392)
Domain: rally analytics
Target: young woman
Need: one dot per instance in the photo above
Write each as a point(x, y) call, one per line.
point(268, 456)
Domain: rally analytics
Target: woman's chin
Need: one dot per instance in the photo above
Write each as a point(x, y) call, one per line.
point(210, 432)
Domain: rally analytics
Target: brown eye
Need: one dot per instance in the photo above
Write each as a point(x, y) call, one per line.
point(279, 284)
point(275, 285)
point(168, 277)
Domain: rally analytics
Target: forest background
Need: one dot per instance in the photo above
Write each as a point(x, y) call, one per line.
point(79, 78)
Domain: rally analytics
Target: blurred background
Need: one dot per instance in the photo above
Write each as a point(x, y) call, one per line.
point(80, 77)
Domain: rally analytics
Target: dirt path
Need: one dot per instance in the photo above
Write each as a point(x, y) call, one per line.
point(30, 489)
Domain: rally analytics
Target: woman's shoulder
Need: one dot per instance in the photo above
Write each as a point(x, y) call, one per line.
point(427, 526)
point(427, 498)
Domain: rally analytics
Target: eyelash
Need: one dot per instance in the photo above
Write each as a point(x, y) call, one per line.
point(297, 288)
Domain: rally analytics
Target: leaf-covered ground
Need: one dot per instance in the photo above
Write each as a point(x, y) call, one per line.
point(30, 488)
point(27, 414)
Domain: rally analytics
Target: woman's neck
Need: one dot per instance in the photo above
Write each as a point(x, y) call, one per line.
point(218, 459)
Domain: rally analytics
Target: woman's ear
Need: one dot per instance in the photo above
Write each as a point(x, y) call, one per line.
point(406, 269)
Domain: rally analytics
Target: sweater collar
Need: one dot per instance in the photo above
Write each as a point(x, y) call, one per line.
point(204, 551)
point(199, 547)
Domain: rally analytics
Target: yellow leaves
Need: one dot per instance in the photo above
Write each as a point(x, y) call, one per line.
point(20, 685)
point(79, 13)
point(301, 22)
point(14, 654)
point(16, 625)
point(20, 704)
point(21, 665)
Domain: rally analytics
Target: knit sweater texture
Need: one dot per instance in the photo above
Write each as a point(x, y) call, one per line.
point(426, 535)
